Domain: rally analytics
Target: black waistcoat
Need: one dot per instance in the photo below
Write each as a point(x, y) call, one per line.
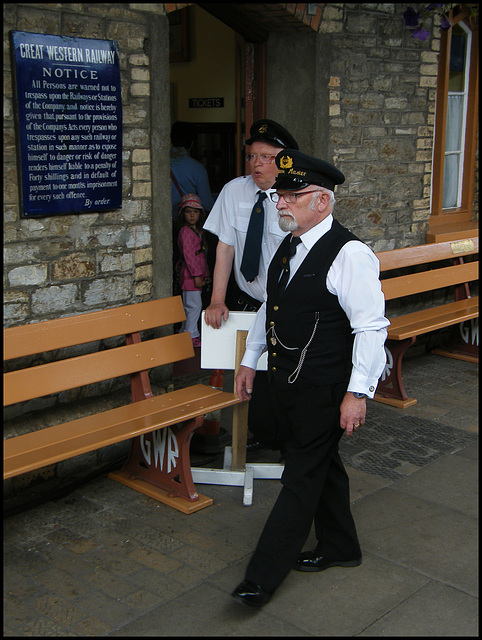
point(306, 313)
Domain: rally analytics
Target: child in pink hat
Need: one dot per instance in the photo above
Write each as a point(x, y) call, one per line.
point(192, 265)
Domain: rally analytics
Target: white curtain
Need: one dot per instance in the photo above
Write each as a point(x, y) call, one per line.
point(453, 146)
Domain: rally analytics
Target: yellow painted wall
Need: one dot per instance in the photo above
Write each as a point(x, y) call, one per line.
point(211, 73)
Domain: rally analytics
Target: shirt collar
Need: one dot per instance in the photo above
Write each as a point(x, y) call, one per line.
point(311, 237)
point(255, 188)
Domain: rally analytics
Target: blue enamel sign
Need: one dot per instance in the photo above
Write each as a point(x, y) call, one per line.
point(69, 124)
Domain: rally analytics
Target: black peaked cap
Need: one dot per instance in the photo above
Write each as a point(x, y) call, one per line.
point(271, 132)
point(296, 170)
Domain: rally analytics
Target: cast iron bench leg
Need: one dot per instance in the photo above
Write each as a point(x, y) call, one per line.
point(162, 458)
point(390, 387)
point(463, 344)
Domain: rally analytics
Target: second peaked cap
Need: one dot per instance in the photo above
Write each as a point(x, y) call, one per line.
point(271, 132)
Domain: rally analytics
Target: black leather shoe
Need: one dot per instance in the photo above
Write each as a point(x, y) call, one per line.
point(251, 594)
point(311, 561)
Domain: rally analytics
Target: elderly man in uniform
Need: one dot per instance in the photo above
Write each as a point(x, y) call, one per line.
point(324, 327)
point(246, 223)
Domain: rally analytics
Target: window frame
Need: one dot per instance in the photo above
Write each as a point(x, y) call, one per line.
point(464, 212)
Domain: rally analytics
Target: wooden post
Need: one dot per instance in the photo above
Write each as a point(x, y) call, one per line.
point(240, 413)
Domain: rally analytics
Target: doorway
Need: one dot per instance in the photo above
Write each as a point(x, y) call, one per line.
point(217, 82)
point(207, 89)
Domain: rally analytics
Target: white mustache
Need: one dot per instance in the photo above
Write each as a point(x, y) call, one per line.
point(285, 212)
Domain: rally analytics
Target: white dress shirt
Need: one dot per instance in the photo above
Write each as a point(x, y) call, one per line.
point(229, 220)
point(363, 305)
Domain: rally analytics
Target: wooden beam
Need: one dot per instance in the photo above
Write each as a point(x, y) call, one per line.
point(234, 18)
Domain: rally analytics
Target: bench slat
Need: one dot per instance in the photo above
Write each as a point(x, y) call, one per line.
point(422, 254)
point(421, 322)
point(45, 379)
point(45, 336)
point(429, 280)
point(428, 261)
point(39, 448)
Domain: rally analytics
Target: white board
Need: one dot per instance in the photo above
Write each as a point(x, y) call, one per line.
point(218, 346)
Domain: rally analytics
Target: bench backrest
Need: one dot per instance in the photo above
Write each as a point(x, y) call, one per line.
point(53, 377)
point(40, 337)
point(431, 278)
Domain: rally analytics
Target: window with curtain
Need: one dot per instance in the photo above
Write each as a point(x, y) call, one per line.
point(456, 126)
point(459, 67)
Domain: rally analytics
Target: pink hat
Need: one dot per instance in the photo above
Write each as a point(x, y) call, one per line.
point(190, 200)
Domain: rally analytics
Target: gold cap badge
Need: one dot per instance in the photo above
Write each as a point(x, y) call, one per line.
point(286, 162)
point(263, 128)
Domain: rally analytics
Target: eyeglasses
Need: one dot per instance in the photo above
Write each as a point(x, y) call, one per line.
point(290, 197)
point(263, 158)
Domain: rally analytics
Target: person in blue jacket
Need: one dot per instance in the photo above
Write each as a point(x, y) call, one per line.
point(187, 174)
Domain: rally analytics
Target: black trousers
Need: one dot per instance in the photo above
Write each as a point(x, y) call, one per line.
point(315, 485)
point(262, 420)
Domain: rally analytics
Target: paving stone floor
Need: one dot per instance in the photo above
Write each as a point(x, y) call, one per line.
point(107, 561)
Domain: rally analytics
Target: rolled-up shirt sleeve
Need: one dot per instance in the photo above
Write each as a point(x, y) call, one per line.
point(354, 278)
point(256, 340)
point(218, 220)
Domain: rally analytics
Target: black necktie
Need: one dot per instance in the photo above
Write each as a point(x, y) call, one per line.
point(252, 247)
point(285, 261)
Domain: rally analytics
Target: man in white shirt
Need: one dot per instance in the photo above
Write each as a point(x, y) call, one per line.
point(324, 327)
point(236, 209)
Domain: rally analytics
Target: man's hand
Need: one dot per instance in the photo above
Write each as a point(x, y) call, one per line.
point(244, 382)
point(352, 413)
point(216, 312)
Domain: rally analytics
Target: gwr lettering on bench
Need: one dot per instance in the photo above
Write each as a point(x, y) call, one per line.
point(469, 331)
point(155, 443)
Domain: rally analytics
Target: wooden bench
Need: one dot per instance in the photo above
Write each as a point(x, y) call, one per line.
point(161, 426)
point(433, 267)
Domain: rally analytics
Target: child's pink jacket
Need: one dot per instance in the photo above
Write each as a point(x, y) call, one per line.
point(193, 258)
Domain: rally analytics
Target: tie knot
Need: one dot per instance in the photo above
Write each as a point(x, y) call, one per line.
point(262, 196)
point(294, 242)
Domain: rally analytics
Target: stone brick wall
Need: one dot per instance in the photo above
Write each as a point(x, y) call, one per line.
point(62, 265)
point(382, 91)
point(360, 91)
point(365, 97)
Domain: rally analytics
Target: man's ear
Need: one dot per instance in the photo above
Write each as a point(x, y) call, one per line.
point(323, 200)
